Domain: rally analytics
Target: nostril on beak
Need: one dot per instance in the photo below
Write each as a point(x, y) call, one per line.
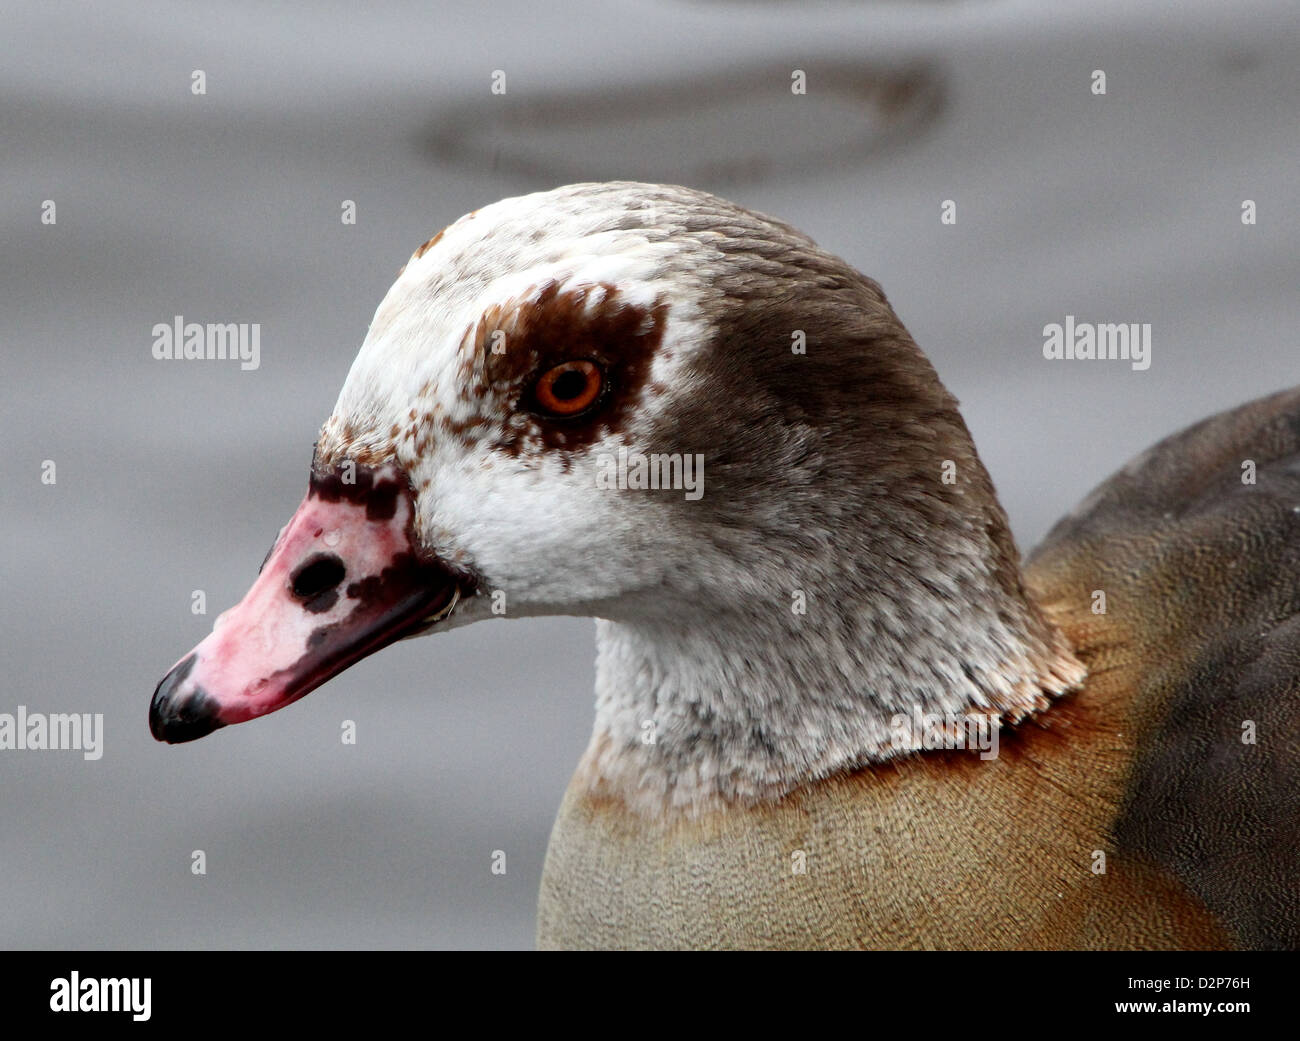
point(316, 581)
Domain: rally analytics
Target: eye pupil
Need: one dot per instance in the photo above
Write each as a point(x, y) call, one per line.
point(569, 389)
point(569, 385)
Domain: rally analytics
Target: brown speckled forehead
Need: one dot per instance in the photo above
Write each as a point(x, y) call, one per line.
point(500, 358)
point(679, 296)
point(619, 274)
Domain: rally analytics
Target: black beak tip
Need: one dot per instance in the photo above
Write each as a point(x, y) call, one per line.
point(176, 721)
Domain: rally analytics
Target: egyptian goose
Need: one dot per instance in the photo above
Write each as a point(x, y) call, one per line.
point(779, 625)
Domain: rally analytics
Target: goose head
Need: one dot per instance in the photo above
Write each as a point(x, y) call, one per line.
point(650, 406)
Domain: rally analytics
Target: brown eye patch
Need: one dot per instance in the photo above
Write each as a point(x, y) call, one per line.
point(568, 389)
point(567, 363)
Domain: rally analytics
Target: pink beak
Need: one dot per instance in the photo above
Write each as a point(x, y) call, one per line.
point(343, 579)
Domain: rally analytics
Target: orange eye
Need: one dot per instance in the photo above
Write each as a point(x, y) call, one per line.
point(569, 388)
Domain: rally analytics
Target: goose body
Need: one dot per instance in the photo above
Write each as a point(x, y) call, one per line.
point(844, 568)
point(1145, 762)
